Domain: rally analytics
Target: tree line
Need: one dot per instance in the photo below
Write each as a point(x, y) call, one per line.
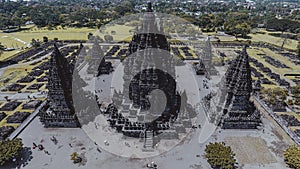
point(78, 15)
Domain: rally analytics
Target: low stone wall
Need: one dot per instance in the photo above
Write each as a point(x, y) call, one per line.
point(280, 121)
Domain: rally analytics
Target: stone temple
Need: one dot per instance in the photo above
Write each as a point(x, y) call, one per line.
point(239, 111)
point(60, 110)
point(96, 63)
point(205, 65)
point(136, 114)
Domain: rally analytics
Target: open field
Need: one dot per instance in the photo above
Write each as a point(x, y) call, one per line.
point(5, 55)
point(282, 59)
point(281, 71)
point(290, 44)
point(23, 38)
point(122, 32)
point(14, 74)
point(257, 37)
point(257, 150)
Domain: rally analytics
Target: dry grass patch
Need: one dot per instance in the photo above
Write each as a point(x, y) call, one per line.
point(250, 150)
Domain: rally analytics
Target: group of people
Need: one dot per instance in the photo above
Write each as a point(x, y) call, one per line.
point(152, 165)
point(40, 148)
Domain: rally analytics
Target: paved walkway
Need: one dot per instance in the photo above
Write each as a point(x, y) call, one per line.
point(279, 121)
point(20, 96)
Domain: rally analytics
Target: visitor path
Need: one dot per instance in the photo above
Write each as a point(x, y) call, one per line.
point(21, 96)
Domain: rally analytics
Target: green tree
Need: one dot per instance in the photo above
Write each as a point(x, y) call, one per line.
point(243, 29)
point(282, 25)
point(108, 38)
point(237, 23)
point(124, 7)
point(35, 43)
point(219, 156)
point(74, 155)
point(292, 156)
point(10, 149)
point(275, 95)
point(236, 29)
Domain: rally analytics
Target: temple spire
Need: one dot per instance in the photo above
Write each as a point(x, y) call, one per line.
point(149, 8)
point(239, 111)
point(60, 112)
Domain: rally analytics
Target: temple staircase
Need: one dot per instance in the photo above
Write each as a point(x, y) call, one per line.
point(148, 141)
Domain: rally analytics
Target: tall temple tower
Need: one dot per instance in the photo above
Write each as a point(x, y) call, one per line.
point(148, 66)
point(239, 111)
point(144, 68)
point(207, 54)
point(61, 111)
point(95, 54)
point(96, 63)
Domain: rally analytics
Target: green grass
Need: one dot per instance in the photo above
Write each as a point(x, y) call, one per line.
point(5, 55)
point(290, 44)
point(122, 32)
point(281, 71)
point(282, 59)
point(14, 74)
point(22, 39)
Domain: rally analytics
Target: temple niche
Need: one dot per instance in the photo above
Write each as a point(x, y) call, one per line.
point(239, 111)
point(60, 110)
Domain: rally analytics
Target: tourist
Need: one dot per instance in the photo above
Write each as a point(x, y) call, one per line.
point(34, 145)
point(152, 165)
point(54, 140)
point(41, 147)
point(46, 152)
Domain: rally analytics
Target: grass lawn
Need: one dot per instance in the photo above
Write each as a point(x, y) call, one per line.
point(7, 54)
point(121, 32)
point(22, 39)
point(290, 43)
point(14, 74)
point(282, 59)
point(281, 71)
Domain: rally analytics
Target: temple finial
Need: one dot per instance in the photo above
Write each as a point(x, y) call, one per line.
point(149, 9)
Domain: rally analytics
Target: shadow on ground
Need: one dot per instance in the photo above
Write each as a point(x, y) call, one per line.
point(22, 161)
